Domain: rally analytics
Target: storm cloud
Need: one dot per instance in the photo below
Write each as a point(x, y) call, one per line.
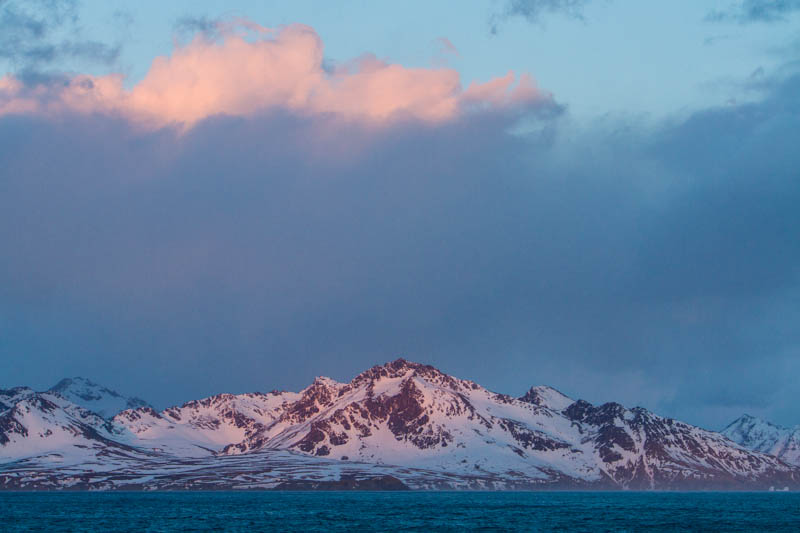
point(648, 264)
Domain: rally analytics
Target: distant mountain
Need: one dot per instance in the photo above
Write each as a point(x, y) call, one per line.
point(401, 424)
point(89, 395)
point(756, 434)
point(52, 429)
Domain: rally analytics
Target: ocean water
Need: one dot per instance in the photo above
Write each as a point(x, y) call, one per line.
point(399, 511)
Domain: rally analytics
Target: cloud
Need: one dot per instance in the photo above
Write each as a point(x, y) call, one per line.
point(251, 68)
point(534, 10)
point(445, 51)
point(750, 11)
point(192, 25)
point(714, 39)
point(42, 33)
point(446, 47)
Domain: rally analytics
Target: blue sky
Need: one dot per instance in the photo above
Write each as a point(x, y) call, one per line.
point(247, 215)
point(622, 56)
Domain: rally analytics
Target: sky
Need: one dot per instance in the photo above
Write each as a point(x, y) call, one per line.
point(596, 195)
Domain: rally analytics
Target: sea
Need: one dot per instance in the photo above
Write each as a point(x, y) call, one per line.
point(398, 511)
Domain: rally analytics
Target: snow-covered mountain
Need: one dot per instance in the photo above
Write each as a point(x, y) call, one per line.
point(398, 424)
point(89, 395)
point(756, 434)
point(49, 427)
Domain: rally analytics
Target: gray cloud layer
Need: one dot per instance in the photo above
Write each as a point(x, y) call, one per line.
point(653, 266)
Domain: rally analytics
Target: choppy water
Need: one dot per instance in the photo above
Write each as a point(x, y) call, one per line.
point(354, 511)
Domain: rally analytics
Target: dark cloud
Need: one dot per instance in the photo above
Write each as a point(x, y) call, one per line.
point(619, 262)
point(41, 33)
point(749, 11)
point(534, 10)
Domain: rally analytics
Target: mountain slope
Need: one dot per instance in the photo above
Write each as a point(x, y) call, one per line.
point(201, 427)
point(762, 436)
point(642, 450)
point(400, 422)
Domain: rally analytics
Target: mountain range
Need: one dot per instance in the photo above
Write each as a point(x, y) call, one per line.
point(401, 425)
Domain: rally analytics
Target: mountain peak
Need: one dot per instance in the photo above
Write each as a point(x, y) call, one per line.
point(400, 366)
point(82, 386)
point(761, 435)
point(751, 422)
point(325, 380)
point(747, 418)
point(95, 397)
point(402, 363)
point(545, 396)
point(15, 391)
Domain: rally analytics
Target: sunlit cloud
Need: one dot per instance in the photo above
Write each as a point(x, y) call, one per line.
point(249, 69)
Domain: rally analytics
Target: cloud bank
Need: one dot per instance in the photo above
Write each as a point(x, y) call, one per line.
point(283, 235)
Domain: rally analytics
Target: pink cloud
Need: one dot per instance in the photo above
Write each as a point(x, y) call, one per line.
point(446, 46)
point(504, 92)
point(241, 74)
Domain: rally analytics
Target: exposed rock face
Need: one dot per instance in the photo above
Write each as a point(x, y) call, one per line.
point(759, 435)
point(426, 427)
